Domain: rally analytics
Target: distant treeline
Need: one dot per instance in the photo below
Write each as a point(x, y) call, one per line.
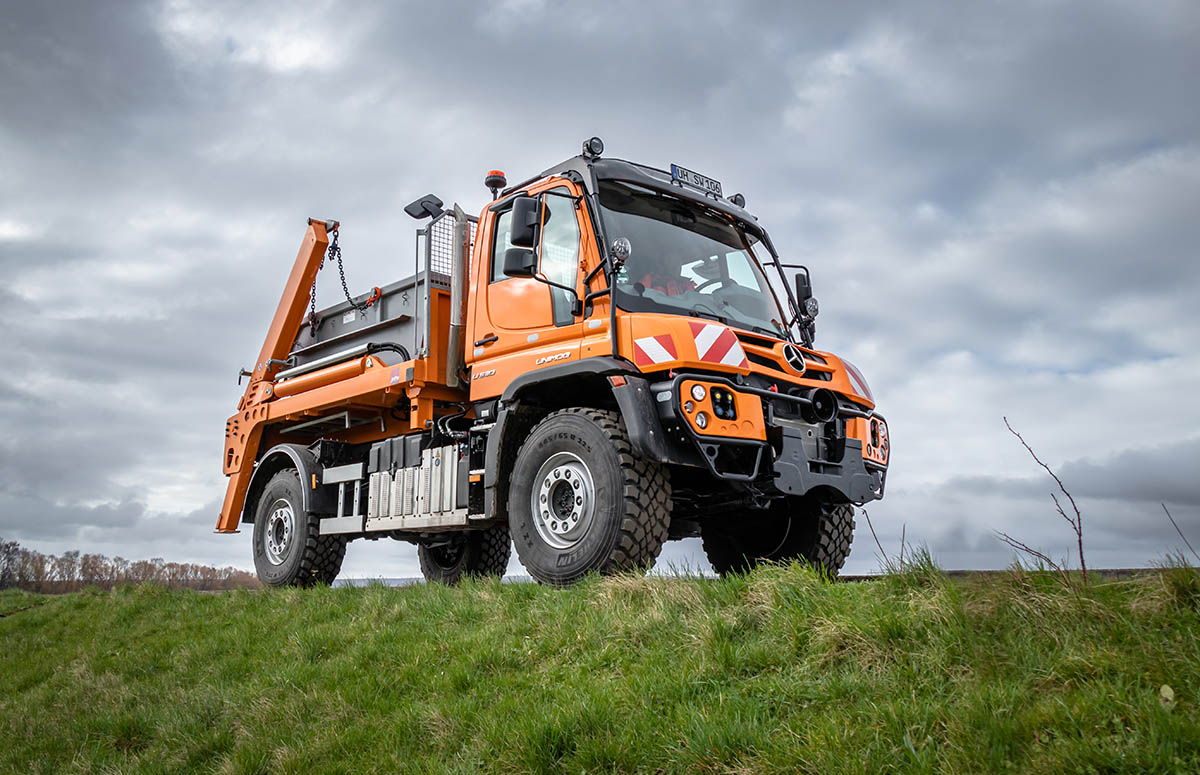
point(72, 571)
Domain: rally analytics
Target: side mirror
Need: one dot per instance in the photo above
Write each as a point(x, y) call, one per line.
point(519, 262)
point(804, 290)
point(523, 230)
point(428, 206)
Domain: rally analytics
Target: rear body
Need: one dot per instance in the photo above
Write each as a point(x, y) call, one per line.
point(608, 357)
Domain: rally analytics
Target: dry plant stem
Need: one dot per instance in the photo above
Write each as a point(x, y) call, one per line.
point(902, 528)
point(1076, 522)
point(886, 561)
point(1022, 547)
point(1173, 522)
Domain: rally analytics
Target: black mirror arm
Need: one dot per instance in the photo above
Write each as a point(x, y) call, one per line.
point(787, 289)
point(577, 307)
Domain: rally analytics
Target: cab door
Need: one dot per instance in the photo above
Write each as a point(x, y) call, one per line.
point(520, 323)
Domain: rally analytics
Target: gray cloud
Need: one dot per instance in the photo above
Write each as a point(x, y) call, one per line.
point(997, 203)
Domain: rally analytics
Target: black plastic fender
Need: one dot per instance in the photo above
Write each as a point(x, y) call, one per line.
point(634, 400)
point(640, 411)
point(315, 500)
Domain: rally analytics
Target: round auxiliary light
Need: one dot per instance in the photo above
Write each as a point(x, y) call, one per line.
point(702, 421)
point(811, 307)
point(688, 407)
point(698, 392)
point(620, 250)
point(593, 147)
point(738, 200)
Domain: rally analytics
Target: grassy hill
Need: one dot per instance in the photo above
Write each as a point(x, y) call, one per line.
point(777, 672)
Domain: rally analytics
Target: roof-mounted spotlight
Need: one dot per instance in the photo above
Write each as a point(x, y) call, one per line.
point(738, 200)
point(494, 181)
point(593, 147)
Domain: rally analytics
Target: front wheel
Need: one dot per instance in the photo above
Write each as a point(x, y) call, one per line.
point(792, 529)
point(581, 502)
point(289, 550)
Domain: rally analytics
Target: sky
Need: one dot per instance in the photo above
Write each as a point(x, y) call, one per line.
point(999, 203)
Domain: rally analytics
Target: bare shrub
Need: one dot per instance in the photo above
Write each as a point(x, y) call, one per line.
point(72, 571)
point(1076, 521)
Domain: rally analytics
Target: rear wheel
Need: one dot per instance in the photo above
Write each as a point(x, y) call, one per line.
point(469, 553)
point(792, 529)
point(580, 501)
point(288, 548)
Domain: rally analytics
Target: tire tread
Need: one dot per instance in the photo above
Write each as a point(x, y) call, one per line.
point(646, 490)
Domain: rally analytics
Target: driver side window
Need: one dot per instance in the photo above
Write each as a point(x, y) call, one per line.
point(559, 248)
point(501, 243)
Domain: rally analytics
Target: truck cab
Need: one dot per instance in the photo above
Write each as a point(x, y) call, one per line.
point(618, 357)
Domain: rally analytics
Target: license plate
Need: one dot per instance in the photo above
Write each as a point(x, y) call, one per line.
point(695, 179)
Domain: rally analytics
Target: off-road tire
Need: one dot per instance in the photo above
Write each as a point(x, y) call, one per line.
point(310, 558)
point(632, 510)
point(794, 529)
point(471, 553)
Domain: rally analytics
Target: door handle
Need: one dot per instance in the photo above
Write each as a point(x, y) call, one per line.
point(486, 340)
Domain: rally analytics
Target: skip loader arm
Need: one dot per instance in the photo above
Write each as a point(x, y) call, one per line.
point(243, 431)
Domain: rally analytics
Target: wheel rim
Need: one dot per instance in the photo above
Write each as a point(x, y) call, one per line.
point(448, 555)
point(563, 500)
point(281, 526)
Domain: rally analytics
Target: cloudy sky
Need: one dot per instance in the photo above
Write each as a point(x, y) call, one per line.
point(1000, 205)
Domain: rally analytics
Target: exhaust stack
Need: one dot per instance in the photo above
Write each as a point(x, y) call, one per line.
point(458, 298)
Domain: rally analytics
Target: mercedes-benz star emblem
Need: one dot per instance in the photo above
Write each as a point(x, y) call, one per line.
point(792, 354)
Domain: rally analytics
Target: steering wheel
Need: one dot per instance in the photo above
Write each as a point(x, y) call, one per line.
point(707, 283)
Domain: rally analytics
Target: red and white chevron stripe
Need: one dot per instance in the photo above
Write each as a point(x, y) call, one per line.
point(717, 344)
point(857, 381)
point(652, 350)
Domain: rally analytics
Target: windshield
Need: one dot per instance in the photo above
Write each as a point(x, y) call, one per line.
point(688, 260)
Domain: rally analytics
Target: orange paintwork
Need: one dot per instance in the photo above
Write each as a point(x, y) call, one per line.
point(859, 428)
point(326, 376)
point(749, 423)
point(517, 311)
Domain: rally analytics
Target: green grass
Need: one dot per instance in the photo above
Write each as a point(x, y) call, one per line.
point(778, 672)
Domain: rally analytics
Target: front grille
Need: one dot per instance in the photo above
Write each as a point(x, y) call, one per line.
point(757, 341)
point(762, 360)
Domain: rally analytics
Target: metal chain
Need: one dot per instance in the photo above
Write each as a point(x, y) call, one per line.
point(335, 251)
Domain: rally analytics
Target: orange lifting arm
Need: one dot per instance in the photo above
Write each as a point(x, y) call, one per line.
point(243, 431)
point(289, 316)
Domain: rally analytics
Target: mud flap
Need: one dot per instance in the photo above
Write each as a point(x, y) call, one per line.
point(639, 410)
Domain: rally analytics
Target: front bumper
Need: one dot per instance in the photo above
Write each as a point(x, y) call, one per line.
point(798, 472)
point(789, 457)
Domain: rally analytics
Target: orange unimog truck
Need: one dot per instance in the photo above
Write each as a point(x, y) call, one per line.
point(595, 365)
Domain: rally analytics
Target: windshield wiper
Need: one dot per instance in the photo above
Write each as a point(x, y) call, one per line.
point(729, 321)
point(695, 310)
